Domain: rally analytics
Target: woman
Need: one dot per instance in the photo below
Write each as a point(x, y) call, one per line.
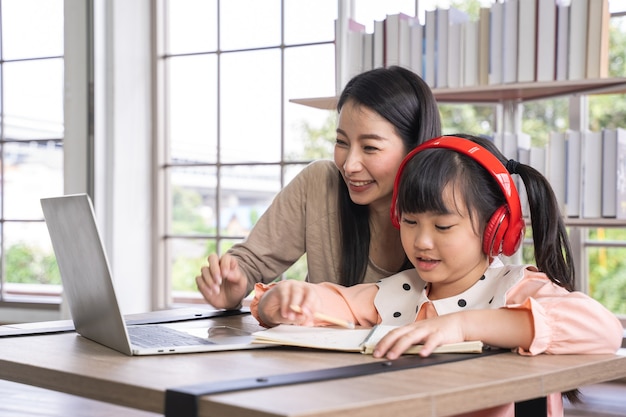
point(337, 213)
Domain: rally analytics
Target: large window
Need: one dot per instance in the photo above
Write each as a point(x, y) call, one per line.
point(31, 139)
point(232, 138)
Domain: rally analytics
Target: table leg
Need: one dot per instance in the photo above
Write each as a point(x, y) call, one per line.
point(537, 407)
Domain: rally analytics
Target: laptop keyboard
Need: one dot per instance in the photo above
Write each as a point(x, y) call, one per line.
point(160, 336)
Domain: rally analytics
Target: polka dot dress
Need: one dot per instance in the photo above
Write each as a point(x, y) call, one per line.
point(401, 297)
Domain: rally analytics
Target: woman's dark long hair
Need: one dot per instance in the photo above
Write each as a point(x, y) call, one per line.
point(403, 99)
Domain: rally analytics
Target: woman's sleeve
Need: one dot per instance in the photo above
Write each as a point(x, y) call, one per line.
point(564, 322)
point(355, 303)
point(277, 240)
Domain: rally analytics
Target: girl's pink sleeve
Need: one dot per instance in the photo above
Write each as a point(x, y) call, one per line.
point(355, 304)
point(564, 322)
point(259, 290)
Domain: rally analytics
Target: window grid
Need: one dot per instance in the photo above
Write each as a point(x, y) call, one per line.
point(170, 164)
point(25, 294)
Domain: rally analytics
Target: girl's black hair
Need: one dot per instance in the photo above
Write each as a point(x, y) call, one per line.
point(405, 100)
point(428, 172)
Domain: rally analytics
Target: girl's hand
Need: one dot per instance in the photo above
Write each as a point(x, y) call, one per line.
point(274, 306)
point(431, 333)
point(503, 327)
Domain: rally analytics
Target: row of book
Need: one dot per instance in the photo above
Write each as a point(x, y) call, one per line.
point(587, 169)
point(511, 41)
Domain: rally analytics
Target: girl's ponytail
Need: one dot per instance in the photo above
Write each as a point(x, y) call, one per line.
point(553, 253)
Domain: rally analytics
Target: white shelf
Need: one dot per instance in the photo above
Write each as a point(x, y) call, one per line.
point(593, 223)
point(502, 92)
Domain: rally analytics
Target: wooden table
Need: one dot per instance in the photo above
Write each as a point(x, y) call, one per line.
point(69, 363)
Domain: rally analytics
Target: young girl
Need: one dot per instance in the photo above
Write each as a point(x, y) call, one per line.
point(457, 208)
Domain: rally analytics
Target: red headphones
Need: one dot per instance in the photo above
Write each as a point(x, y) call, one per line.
point(505, 229)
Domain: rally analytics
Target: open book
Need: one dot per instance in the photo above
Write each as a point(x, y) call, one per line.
point(361, 340)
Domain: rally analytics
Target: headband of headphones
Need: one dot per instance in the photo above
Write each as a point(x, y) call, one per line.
point(505, 230)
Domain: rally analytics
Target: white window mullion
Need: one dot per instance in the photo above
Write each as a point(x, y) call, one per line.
point(124, 150)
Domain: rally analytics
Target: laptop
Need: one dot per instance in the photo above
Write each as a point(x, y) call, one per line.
point(88, 287)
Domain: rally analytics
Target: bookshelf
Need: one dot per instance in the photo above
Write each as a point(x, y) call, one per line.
point(563, 67)
point(536, 57)
point(502, 93)
point(509, 96)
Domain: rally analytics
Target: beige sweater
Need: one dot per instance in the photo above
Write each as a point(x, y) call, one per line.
point(303, 218)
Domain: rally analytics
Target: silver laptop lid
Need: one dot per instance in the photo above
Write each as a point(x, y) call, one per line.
point(85, 271)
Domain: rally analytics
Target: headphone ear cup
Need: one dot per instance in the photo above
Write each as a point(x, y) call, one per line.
point(514, 236)
point(495, 230)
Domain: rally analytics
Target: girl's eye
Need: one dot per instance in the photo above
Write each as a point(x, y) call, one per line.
point(439, 227)
point(408, 221)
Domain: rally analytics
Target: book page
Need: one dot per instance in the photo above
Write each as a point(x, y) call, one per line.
point(346, 340)
point(331, 338)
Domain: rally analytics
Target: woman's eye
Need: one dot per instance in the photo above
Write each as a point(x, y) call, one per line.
point(340, 142)
point(370, 148)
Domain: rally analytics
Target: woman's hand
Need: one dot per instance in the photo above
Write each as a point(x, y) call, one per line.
point(275, 305)
point(221, 282)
